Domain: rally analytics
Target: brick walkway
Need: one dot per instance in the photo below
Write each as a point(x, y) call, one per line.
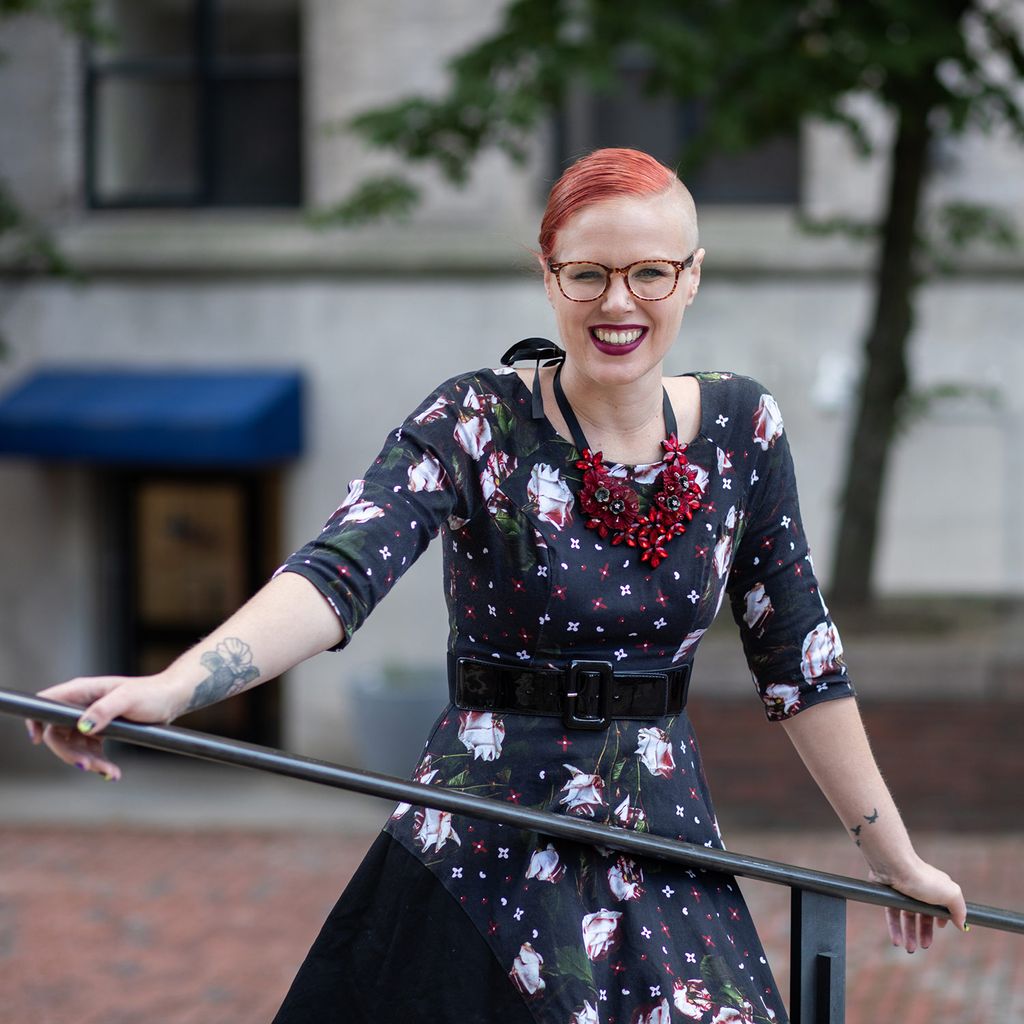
point(111, 926)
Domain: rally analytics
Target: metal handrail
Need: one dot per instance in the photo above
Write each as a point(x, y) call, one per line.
point(212, 748)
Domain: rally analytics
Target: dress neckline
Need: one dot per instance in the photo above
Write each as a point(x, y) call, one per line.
point(639, 467)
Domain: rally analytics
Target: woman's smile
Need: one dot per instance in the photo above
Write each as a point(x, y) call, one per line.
point(617, 339)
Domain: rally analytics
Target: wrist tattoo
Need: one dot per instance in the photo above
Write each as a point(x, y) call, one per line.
point(869, 818)
point(231, 671)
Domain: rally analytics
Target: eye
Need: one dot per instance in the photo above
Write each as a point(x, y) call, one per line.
point(650, 272)
point(586, 274)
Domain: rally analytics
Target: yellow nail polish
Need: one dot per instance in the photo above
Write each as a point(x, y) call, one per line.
point(967, 927)
point(86, 725)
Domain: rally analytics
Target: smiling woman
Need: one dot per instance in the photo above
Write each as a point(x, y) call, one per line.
point(594, 516)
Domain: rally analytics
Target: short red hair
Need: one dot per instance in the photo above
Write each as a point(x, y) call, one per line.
point(603, 174)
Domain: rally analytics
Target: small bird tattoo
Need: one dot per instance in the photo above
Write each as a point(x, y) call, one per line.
point(873, 818)
point(856, 831)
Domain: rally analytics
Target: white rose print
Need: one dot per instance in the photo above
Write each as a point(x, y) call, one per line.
point(759, 609)
point(357, 511)
point(660, 1014)
point(473, 431)
point(587, 1014)
point(655, 751)
point(545, 865)
point(433, 412)
point(722, 557)
point(822, 652)
point(767, 422)
point(481, 733)
point(525, 973)
point(551, 496)
point(583, 793)
point(781, 699)
point(691, 998)
point(600, 933)
point(688, 644)
point(434, 828)
point(624, 878)
point(427, 475)
point(730, 1015)
point(499, 466)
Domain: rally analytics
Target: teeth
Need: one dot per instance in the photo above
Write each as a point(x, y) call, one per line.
point(616, 337)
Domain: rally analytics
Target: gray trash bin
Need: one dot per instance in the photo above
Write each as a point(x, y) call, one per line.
point(394, 709)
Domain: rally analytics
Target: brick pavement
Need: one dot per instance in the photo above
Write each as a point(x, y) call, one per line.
point(116, 925)
point(950, 765)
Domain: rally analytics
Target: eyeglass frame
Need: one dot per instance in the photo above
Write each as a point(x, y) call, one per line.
point(680, 265)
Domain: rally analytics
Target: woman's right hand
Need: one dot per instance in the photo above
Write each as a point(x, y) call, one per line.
point(147, 699)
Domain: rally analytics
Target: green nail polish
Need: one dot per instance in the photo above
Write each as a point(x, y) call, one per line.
point(86, 725)
point(967, 927)
point(109, 777)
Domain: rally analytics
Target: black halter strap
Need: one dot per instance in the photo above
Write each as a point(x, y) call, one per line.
point(541, 348)
point(536, 349)
point(578, 437)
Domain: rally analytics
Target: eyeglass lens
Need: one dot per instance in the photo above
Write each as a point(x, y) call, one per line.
point(653, 280)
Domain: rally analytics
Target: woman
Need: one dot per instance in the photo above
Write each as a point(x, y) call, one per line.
point(594, 515)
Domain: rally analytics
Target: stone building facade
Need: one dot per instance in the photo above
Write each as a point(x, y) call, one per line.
point(373, 317)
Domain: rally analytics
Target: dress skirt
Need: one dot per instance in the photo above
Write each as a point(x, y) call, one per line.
point(453, 919)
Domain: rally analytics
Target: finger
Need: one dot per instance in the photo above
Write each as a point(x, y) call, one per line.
point(958, 910)
point(101, 712)
point(892, 919)
point(35, 732)
point(80, 692)
point(85, 754)
point(909, 923)
point(926, 925)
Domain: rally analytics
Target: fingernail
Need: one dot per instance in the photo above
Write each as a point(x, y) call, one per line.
point(109, 777)
point(967, 927)
point(80, 765)
point(86, 725)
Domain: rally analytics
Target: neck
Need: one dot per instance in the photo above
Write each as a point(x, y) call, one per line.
point(622, 409)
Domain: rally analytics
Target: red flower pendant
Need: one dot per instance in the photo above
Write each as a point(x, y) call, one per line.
point(613, 508)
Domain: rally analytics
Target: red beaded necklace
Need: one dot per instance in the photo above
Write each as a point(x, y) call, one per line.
point(612, 507)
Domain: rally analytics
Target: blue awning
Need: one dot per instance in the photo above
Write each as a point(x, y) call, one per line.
point(175, 417)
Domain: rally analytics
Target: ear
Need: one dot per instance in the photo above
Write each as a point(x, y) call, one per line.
point(549, 279)
point(693, 278)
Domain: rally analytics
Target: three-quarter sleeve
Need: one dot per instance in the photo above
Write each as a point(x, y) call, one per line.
point(792, 647)
point(423, 477)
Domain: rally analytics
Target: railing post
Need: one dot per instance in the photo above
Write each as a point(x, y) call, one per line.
point(817, 988)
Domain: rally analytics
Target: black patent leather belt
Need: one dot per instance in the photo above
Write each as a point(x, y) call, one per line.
point(585, 694)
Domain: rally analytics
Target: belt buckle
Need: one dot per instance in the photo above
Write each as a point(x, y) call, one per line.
point(603, 670)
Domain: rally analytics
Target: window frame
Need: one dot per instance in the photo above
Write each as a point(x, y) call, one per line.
point(208, 71)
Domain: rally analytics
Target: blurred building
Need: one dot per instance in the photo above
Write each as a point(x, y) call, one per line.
point(175, 164)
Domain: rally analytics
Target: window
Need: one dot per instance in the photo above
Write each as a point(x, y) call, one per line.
point(195, 103)
point(661, 126)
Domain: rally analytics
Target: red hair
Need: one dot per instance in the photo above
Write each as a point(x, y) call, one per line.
point(603, 174)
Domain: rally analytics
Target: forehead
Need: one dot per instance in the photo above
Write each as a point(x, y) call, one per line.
point(619, 231)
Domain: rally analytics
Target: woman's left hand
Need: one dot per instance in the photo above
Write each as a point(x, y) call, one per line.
point(929, 885)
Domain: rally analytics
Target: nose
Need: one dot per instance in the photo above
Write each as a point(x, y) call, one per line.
point(618, 296)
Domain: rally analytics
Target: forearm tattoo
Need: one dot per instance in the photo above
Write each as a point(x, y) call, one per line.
point(231, 671)
point(869, 818)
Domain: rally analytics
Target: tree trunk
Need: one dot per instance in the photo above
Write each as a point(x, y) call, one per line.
point(884, 379)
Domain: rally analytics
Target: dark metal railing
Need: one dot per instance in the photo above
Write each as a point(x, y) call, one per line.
point(818, 931)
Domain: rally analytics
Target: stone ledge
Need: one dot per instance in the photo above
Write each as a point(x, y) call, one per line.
point(741, 242)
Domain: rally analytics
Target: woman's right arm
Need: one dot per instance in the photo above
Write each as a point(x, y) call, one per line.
point(283, 624)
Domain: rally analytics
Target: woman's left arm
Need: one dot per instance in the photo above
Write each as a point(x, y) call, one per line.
point(832, 743)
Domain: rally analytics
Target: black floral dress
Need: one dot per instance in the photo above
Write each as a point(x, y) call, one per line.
point(456, 919)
